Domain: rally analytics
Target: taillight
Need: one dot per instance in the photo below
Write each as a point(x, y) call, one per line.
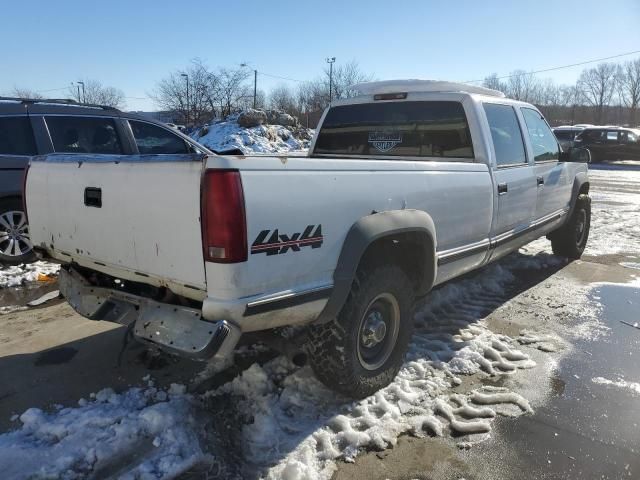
point(224, 226)
point(24, 193)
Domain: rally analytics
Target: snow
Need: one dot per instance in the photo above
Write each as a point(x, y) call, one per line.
point(229, 135)
point(74, 442)
point(620, 383)
point(17, 275)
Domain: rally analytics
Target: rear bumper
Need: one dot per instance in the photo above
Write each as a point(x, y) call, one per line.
point(173, 328)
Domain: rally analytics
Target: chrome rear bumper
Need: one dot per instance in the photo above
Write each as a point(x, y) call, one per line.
point(173, 328)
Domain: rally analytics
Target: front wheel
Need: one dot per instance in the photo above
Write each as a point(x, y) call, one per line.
point(362, 350)
point(15, 242)
point(570, 240)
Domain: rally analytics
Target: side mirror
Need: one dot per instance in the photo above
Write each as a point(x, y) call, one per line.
point(578, 155)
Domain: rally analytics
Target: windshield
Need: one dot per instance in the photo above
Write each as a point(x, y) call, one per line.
point(410, 129)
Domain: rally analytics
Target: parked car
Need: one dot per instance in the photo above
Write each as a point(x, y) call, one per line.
point(37, 127)
point(610, 143)
point(566, 136)
point(405, 187)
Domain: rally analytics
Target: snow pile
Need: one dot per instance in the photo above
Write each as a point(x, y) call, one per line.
point(228, 135)
point(100, 435)
point(17, 275)
point(633, 386)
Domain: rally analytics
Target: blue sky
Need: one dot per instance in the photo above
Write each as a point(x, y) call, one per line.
point(132, 44)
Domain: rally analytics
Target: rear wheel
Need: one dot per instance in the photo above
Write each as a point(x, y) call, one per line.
point(362, 350)
point(15, 241)
point(570, 240)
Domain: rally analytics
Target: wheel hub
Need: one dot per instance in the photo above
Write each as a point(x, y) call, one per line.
point(378, 331)
point(374, 329)
point(14, 234)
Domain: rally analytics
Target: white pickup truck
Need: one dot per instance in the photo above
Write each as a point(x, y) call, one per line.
point(406, 186)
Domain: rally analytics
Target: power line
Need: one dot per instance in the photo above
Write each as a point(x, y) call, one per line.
point(560, 67)
point(281, 78)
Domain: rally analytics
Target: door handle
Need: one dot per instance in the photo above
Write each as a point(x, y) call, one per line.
point(93, 197)
point(502, 189)
point(540, 181)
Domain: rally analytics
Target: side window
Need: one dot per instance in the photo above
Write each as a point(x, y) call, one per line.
point(506, 134)
point(152, 139)
point(612, 137)
point(16, 136)
point(84, 135)
point(629, 137)
point(543, 141)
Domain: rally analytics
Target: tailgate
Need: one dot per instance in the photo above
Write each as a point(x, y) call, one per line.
point(134, 217)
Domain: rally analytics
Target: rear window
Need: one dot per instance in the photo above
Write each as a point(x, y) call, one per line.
point(409, 129)
point(16, 136)
point(84, 135)
point(564, 134)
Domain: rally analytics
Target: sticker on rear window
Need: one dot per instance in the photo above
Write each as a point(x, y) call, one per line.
point(384, 141)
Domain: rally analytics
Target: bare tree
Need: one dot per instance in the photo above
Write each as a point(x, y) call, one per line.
point(598, 85)
point(26, 93)
point(232, 90)
point(345, 76)
point(191, 93)
point(97, 94)
point(629, 84)
point(283, 99)
point(494, 83)
point(314, 95)
point(523, 86)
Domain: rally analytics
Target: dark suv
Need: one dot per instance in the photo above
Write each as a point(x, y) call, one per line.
point(610, 143)
point(36, 127)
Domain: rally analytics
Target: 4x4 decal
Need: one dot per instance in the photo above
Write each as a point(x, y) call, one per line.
point(272, 242)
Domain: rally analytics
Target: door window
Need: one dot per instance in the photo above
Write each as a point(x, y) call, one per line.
point(84, 135)
point(506, 134)
point(543, 141)
point(16, 136)
point(152, 139)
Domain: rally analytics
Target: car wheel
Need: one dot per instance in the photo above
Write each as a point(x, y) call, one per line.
point(15, 242)
point(363, 348)
point(571, 239)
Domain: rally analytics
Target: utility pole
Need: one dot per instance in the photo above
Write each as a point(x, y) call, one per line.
point(84, 95)
point(255, 88)
point(255, 84)
point(187, 116)
point(79, 97)
point(330, 61)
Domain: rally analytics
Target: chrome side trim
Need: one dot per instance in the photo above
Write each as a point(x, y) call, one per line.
point(513, 234)
point(453, 254)
point(287, 299)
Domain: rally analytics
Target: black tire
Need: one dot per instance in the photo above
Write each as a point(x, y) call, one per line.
point(15, 245)
point(570, 240)
point(338, 351)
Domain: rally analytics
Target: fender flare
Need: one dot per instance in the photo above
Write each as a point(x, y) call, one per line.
point(579, 181)
point(361, 235)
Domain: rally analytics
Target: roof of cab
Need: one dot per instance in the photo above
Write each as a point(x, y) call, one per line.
point(396, 86)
